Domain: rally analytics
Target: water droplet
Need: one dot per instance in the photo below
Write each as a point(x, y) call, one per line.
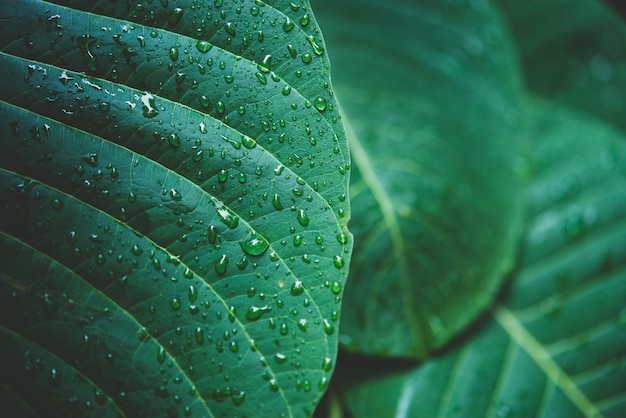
point(320, 104)
point(327, 364)
point(318, 50)
point(173, 53)
point(203, 46)
point(193, 294)
point(276, 202)
point(328, 327)
point(230, 29)
point(288, 25)
point(303, 218)
point(274, 385)
point(221, 264)
point(307, 58)
point(56, 203)
point(199, 334)
point(265, 64)
point(148, 106)
point(254, 244)
point(161, 355)
point(204, 101)
point(84, 45)
point(174, 140)
point(175, 195)
point(342, 238)
point(136, 250)
point(280, 358)
point(338, 261)
point(304, 20)
point(286, 90)
point(238, 397)
point(175, 17)
point(175, 303)
point(227, 217)
point(248, 142)
point(336, 287)
point(255, 312)
point(261, 77)
point(297, 288)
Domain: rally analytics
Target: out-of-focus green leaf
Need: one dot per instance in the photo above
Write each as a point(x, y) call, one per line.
point(556, 345)
point(573, 52)
point(173, 233)
point(431, 91)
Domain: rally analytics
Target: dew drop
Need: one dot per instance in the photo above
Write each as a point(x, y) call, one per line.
point(148, 106)
point(175, 17)
point(221, 264)
point(338, 261)
point(255, 312)
point(303, 218)
point(254, 244)
point(297, 288)
point(203, 46)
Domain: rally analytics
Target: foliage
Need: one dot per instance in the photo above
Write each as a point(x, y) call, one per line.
point(174, 208)
point(433, 89)
point(173, 227)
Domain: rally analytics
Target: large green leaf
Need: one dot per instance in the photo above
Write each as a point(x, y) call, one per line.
point(431, 91)
point(173, 221)
point(556, 345)
point(572, 52)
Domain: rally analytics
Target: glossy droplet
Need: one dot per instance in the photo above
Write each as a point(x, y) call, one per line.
point(265, 64)
point(304, 20)
point(338, 261)
point(238, 397)
point(297, 288)
point(328, 327)
point(288, 25)
point(255, 312)
point(227, 217)
point(221, 264)
point(302, 217)
point(327, 364)
point(173, 53)
point(276, 202)
point(161, 355)
point(286, 90)
point(230, 29)
point(280, 358)
point(261, 77)
point(175, 17)
point(342, 238)
point(203, 46)
point(199, 335)
point(174, 140)
point(254, 244)
point(175, 195)
point(307, 58)
point(336, 287)
point(248, 142)
point(320, 104)
point(136, 250)
point(175, 303)
point(148, 106)
point(317, 50)
point(204, 101)
point(193, 294)
point(56, 203)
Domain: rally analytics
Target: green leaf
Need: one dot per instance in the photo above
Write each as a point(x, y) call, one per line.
point(431, 92)
point(174, 205)
point(556, 344)
point(572, 52)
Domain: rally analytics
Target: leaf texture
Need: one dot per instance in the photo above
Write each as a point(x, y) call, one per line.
point(431, 92)
point(173, 220)
point(556, 344)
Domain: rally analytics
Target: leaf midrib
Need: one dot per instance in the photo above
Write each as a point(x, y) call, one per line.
point(362, 160)
point(516, 330)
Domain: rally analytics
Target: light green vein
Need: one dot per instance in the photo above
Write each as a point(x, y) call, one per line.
point(516, 330)
point(362, 160)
